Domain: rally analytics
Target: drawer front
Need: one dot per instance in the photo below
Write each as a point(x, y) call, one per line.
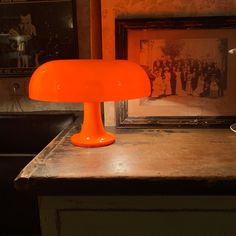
point(141, 223)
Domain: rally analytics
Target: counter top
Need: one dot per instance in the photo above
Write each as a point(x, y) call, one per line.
point(141, 161)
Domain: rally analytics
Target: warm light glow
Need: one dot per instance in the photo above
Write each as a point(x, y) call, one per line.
point(91, 82)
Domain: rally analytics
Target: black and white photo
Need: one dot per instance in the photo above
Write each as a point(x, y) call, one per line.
point(185, 67)
point(34, 32)
point(192, 75)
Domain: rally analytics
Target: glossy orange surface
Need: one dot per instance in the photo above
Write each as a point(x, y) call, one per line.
point(92, 133)
point(88, 81)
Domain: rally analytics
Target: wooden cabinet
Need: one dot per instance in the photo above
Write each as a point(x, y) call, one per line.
point(138, 215)
point(149, 182)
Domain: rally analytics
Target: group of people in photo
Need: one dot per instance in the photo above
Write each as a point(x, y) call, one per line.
point(186, 77)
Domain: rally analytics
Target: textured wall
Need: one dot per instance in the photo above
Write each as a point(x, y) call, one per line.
point(21, 103)
point(152, 8)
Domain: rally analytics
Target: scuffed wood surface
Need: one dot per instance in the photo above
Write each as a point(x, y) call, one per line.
point(183, 157)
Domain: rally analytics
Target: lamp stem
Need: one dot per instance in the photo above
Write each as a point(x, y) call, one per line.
point(93, 133)
point(92, 123)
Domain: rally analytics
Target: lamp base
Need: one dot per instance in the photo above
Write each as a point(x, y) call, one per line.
point(88, 141)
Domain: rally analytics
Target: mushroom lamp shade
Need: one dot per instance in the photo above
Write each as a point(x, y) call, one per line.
point(90, 82)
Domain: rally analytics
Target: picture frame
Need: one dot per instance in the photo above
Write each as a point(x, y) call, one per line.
point(33, 32)
point(174, 43)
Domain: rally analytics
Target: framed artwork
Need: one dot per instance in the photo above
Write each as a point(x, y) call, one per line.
point(33, 32)
point(192, 76)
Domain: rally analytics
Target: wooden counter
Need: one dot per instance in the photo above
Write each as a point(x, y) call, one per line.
point(141, 161)
point(150, 182)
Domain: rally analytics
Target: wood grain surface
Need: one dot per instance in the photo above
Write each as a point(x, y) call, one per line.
point(141, 161)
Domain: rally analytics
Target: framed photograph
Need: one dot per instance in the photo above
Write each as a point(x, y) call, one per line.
point(192, 76)
point(33, 32)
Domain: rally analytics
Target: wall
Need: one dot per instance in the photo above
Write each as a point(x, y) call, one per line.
point(21, 102)
point(152, 8)
point(88, 13)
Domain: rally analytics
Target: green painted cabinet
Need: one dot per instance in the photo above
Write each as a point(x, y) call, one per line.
point(138, 216)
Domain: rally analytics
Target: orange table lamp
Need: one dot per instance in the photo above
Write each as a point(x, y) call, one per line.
point(91, 82)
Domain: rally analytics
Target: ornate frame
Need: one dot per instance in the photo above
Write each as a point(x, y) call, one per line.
point(123, 120)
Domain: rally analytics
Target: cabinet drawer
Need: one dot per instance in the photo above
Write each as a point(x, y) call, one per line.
point(141, 223)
